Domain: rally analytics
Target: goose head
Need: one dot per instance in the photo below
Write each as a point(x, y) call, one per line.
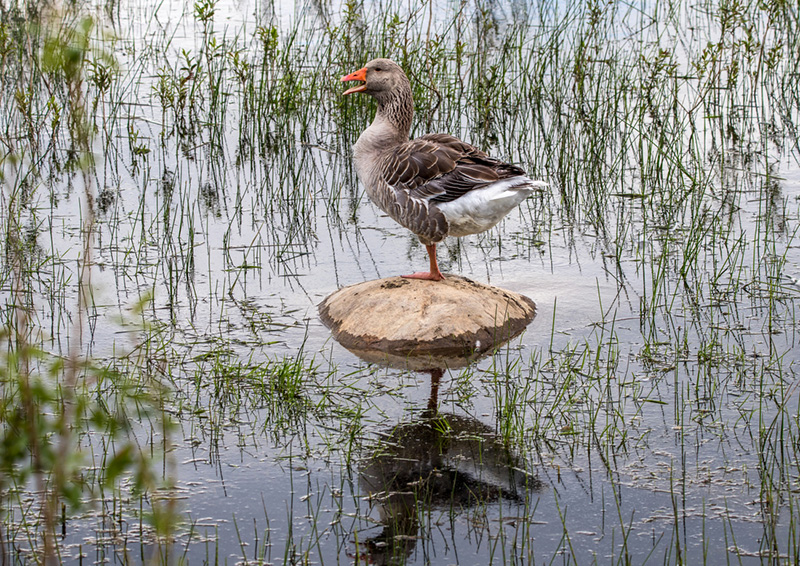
point(381, 78)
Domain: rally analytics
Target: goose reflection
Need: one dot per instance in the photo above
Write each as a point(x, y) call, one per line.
point(443, 461)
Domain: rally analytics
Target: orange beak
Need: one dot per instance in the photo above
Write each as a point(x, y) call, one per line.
point(360, 75)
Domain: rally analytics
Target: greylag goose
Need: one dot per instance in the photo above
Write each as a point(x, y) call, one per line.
point(435, 185)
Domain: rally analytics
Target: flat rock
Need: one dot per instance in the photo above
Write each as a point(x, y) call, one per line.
point(423, 324)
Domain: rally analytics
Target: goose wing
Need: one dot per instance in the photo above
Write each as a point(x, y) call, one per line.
point(434, 169)
point(441, 168)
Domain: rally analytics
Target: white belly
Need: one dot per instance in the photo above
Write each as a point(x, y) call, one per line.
point(481, 209)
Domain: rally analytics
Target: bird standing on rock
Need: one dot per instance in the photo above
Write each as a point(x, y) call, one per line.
point(435, 185)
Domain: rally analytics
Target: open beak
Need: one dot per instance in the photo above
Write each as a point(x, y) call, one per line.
point(360, 75)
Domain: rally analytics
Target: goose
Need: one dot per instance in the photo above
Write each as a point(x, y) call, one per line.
point(435, 185)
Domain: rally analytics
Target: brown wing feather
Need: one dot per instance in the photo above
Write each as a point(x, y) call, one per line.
point(437, 168)
point(441, 168)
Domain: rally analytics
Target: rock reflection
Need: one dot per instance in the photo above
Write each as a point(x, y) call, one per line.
point(441, 461)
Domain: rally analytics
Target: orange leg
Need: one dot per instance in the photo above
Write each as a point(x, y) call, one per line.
point(434, 274)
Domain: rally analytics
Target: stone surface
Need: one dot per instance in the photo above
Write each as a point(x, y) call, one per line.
point(424, 324)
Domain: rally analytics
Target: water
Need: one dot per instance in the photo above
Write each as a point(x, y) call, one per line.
point(651, 403)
